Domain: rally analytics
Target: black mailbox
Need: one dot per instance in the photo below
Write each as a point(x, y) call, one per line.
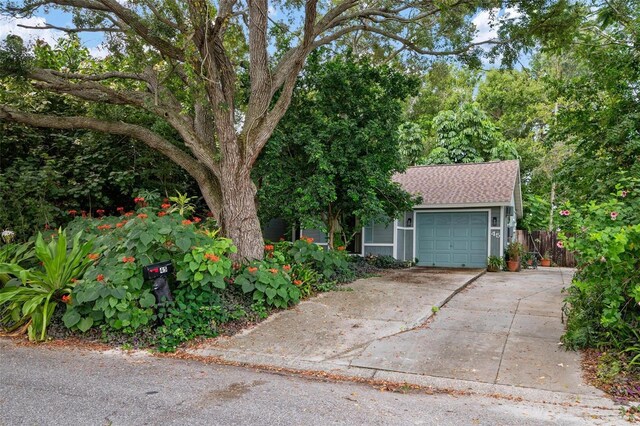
point(159, 272)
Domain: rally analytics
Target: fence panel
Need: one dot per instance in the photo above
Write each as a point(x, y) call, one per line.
point(543, 242)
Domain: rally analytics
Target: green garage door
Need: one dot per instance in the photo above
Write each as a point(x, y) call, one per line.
point(452, 239)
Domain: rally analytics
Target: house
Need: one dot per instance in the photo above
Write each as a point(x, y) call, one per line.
point(468, 212)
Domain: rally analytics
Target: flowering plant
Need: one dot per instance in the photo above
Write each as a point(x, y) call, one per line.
point(603, 303)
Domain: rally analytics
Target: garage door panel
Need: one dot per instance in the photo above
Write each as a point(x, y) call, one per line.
point(460, 245)
point(477, 245)
point(442, 231)
point(442, 245)
point(455, 239)
point(442, 220)
point(460, 232)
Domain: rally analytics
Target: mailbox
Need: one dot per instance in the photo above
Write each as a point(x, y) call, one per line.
point(158, 272)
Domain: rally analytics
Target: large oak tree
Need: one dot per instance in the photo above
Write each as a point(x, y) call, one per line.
point(221, 73)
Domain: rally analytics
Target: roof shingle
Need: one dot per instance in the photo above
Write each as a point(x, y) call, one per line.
point(454, 184)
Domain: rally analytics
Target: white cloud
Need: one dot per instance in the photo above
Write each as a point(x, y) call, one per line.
point(9, 25)
point(488, 22)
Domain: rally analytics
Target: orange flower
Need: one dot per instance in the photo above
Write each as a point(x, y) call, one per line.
point(100, 278)
point(165, 206)
point(273, 271)
point(253, 269)
point(297, 282)
point(268, 247)
point(128, 259)
point(119, 225)
point(74, 280)
point(93, 256)
point(120, 210)
point(104, 227)
point(143, 216)
point(197, 220)
point(287, 268)
point(128, 214)
point(186, 222)
point(342, 248)
point(212, 257)
point(160, 214)
point(66, 298)
point(138, 200)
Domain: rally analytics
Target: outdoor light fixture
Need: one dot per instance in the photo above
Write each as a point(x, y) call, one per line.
point(409, 222)
point(158, 272)
point(494, 221)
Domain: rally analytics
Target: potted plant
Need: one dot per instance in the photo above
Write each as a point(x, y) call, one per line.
point(514, 250)
point(527, 260)
point(494, 263)
point(546, 259)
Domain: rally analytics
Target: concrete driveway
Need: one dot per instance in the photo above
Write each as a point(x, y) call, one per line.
point(497, 332)
point(328, 330)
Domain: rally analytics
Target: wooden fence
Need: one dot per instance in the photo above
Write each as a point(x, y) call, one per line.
point(543, 242)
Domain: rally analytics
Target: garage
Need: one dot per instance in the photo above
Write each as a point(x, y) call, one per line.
point(452, 239)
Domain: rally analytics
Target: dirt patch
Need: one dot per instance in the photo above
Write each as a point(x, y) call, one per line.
point(598, 371)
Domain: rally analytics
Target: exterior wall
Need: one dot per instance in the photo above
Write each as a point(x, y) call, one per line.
point(379, 239)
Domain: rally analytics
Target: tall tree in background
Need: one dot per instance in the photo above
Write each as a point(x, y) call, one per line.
point(331, 159)
point(467, 135)
point(206, 69)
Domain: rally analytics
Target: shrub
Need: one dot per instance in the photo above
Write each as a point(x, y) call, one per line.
point(603, 300)
point(269, 284)
point(113, 291)
point(326, 262)
point(34, 299)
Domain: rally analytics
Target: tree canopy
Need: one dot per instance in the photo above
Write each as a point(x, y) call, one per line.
point(331, 159)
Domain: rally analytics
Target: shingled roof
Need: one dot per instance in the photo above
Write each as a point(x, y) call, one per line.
point(464, 184)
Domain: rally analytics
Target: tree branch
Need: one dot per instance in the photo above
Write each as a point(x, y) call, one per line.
point(149, 138)
point(72, 30)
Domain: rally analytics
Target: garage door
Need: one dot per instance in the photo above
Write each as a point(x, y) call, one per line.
point(452, 239)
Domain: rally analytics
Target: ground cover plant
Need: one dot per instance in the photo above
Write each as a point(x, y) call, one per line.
point(100, 290)
point(603, 302)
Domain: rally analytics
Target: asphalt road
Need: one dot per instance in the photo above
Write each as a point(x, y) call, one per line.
point(58, 386)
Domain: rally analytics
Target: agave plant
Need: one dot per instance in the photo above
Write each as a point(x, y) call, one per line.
point(31, 302)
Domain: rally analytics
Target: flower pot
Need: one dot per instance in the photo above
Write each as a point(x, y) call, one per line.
point(513, 265)
point(545, 262)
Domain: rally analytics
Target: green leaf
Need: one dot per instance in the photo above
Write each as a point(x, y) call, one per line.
point(164, 230)
point(183, 275)
point(85, 324)
point(146, 238)
point(198, 276)
point(147, 300)
point(247, 286)
point(270, 292)
point(71, 318)
point(184, 243)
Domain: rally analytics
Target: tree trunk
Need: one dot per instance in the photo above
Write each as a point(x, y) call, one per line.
point(239, 214)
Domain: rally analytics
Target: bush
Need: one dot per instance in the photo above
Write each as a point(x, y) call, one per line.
point(113, 291)
point(603, 300)
point(32, 301)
